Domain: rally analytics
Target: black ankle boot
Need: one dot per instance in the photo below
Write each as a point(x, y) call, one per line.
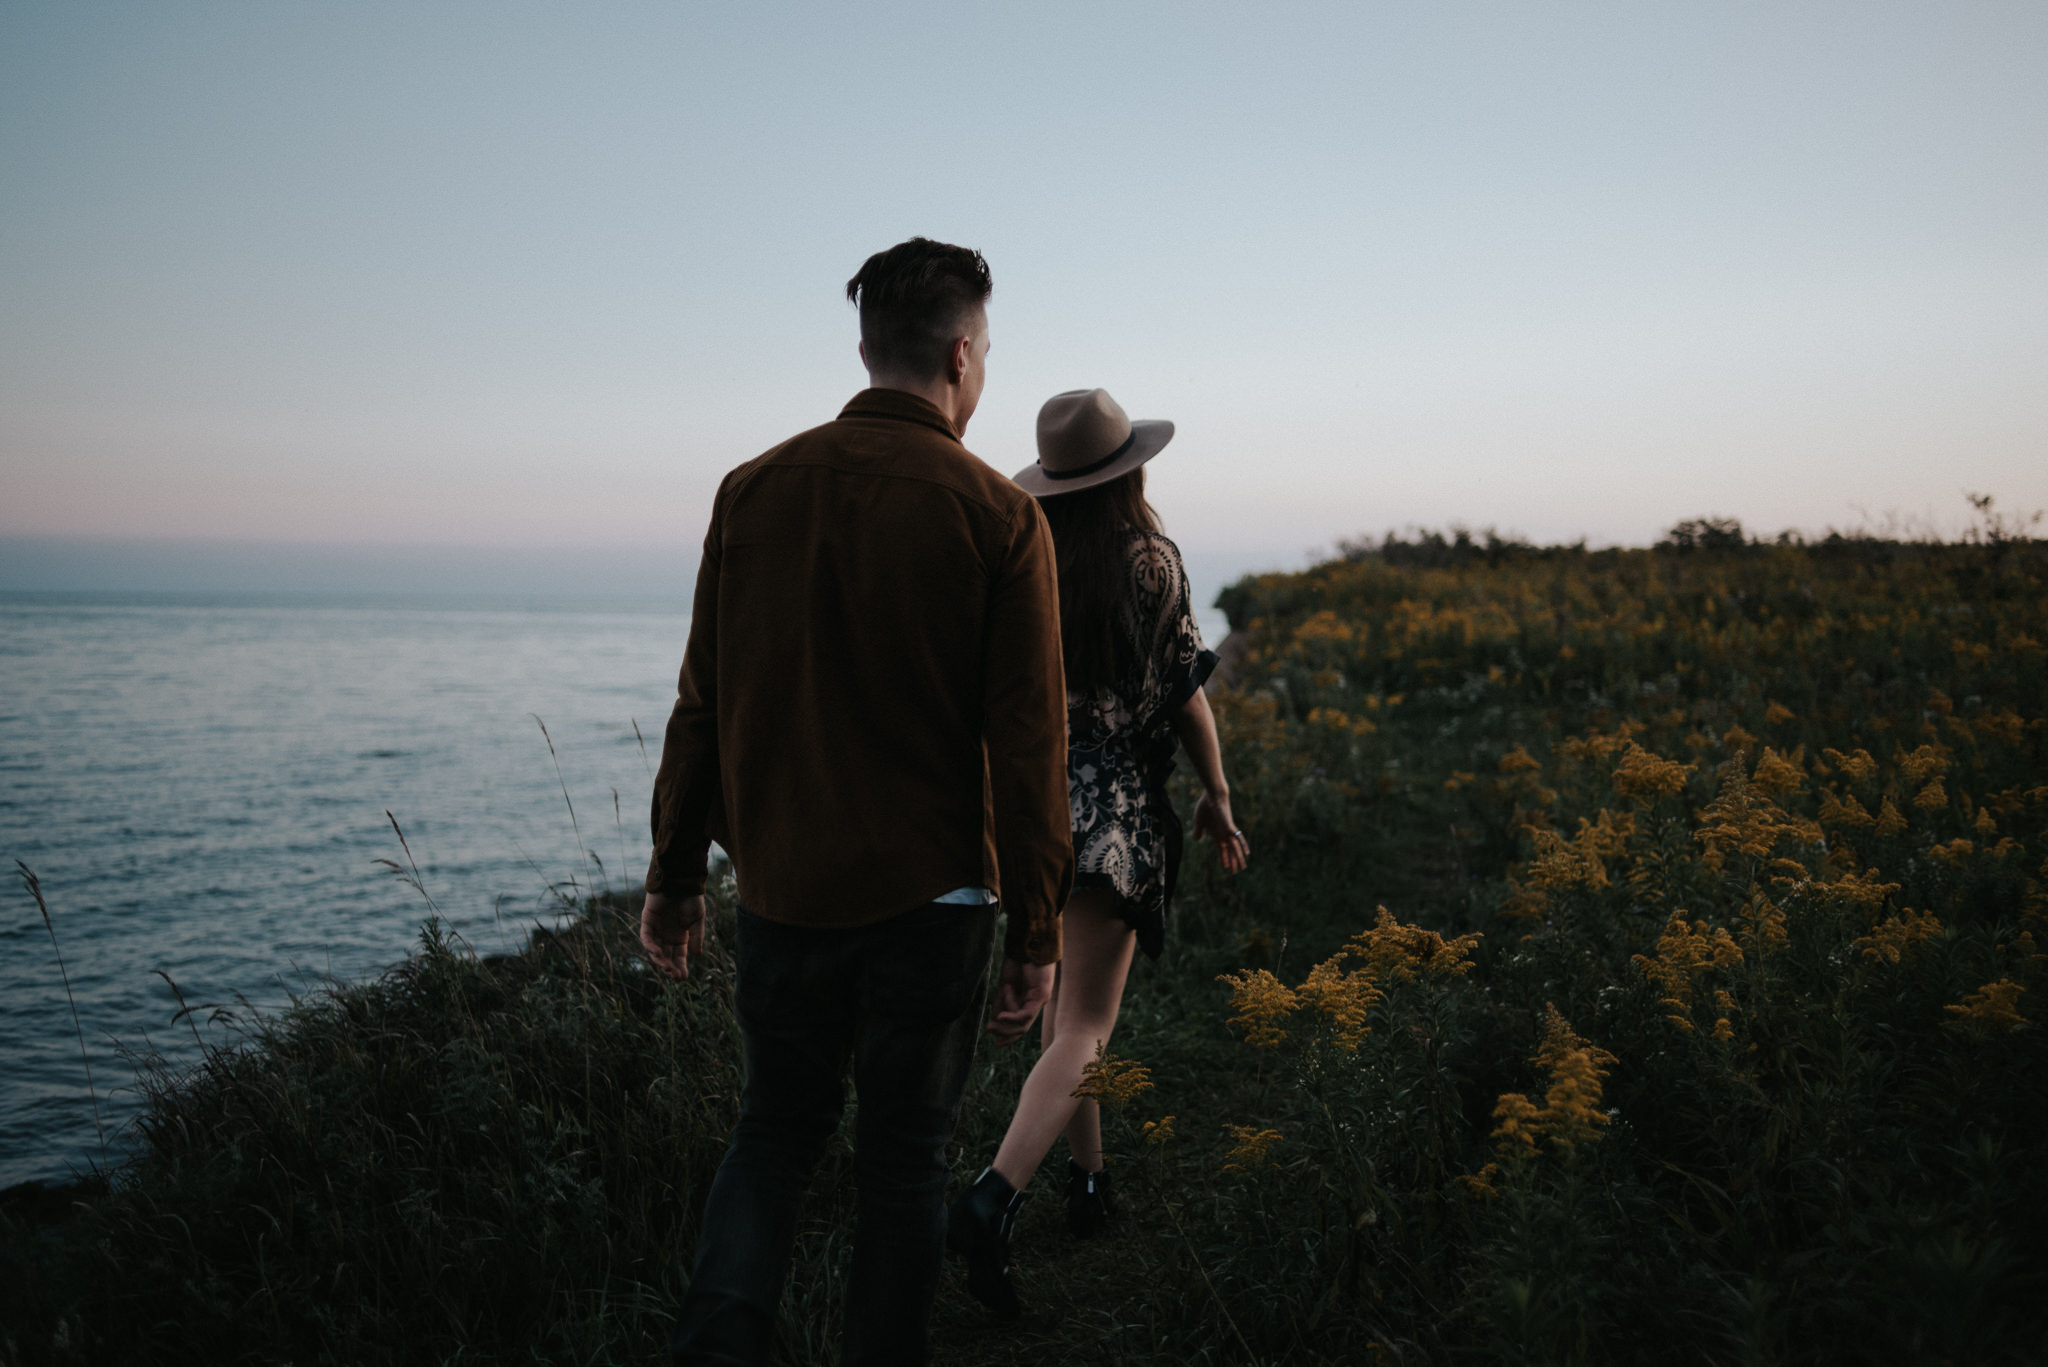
point(978, 1226)
point(1089, 1206)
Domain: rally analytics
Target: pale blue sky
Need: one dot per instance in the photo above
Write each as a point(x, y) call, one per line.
point(536, 276)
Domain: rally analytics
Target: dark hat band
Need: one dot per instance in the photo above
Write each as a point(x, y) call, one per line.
point(1091, 468)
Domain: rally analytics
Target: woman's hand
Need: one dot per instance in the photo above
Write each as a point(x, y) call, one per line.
point(1214, 822)
point(1196, 725)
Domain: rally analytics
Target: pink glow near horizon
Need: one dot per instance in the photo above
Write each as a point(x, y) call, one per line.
point(379, 276)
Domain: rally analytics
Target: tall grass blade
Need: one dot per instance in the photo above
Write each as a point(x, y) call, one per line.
point(645, 763)
point(35, 890)
point(619, 819)
point(581, 848)
point(412, 879)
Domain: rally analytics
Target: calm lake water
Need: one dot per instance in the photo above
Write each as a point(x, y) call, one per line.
point(201, 786)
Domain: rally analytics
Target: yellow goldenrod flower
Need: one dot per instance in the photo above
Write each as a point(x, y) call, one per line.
point(1570, 1114)
point(1645, 776)
point(1776, 713)
point(1518, 1125)
point(1743, 820)
point(1861, 890)
point(1113, 1081)
point(1896, 937)
point(1480, 1184)
point(1955, 851)
point(1519, 760)
point(1249, 1150)
point(1932, 798)
point(1889, 820)
point(1259, 1002)
point(1778, 775)
point(1344, 999)
point(1992, 1008)
point(1858, 765)
point(1843, 811)
point(1929, 761)
point(1685, 955)
point(1397, 953)
point(1158, 1131)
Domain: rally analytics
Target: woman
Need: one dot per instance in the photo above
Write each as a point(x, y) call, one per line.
point(1135, 665)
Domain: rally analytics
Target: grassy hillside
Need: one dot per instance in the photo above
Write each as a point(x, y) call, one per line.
point(1700, 1024)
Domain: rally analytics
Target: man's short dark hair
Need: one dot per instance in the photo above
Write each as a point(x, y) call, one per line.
point(914, 299)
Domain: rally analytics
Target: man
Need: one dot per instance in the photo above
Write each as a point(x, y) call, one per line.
point(871, 720)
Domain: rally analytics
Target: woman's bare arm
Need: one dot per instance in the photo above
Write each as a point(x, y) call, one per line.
point(1196, 726)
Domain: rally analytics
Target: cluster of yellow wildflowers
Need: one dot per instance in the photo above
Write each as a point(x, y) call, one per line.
point(1113, 1081)
point(1991, 1009)
point(1761, 763)
point(1686, 954)
point(1344, 999)
point(1337, 720)
point(1261, 1005)
point(1645, 776)
point(1570, 1114)
point(1248, 1148)
point(1581, 861)
point(1896, 937)
point(1398, 953)
point(1742, 819)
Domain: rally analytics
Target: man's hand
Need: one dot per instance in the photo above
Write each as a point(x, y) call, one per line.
point(671, 930)
point(1021, 993)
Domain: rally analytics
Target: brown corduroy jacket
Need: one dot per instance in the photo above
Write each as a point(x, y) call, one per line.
point(871, 711)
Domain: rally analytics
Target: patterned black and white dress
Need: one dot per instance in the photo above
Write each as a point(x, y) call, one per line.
point(1121, 743)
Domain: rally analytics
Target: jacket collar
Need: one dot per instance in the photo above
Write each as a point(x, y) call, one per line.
point(900, 405)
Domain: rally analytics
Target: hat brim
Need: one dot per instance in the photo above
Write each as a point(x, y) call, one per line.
point(1148, 438)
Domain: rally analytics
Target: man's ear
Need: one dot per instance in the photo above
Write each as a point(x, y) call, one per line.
point(862, 348)
point(963, 348)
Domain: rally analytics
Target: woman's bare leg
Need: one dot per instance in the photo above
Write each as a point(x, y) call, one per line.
point(1097, 947)
point(1084, 1131)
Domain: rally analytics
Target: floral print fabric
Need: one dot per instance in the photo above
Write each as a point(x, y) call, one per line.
point(1121, 743)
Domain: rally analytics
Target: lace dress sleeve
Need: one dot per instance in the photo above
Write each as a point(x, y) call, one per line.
point(1177, 662)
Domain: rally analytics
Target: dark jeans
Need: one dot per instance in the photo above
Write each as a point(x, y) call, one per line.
point(904, 998)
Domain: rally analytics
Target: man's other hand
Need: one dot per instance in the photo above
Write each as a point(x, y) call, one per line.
point(1021, 993)
point(671, 931)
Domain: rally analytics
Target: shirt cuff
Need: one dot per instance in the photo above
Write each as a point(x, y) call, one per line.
point(1032, 944)
point(674, 882)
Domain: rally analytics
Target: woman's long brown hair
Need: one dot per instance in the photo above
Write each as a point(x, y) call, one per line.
point(1091, 532)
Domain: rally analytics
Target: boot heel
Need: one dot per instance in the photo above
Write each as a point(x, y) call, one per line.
point(978, 1227)
point(1089, 1205)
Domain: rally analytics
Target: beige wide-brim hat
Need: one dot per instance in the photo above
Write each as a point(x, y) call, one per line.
point(1085, 438)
